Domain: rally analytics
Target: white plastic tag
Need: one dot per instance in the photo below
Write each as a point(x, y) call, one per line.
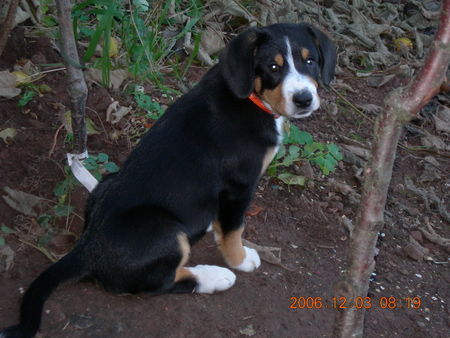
point(80, 172)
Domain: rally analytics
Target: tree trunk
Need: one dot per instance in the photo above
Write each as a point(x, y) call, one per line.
point(8, 13)
point(77, 85)
point(400, 107)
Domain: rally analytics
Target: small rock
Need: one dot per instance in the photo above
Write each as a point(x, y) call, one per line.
point(412, 211)
point(433, 248)
point(421, 324)
point(429, 174)
point(432, 160)
point(433, 141)
point(248, 330)
point(304, 169)
point(404, 272)
point(415, 251)
point(39, 58)
point(417, 235)
point(390, 277)
point(82, 322)
point(432, 5)
point(399, 188)
point(336, 206)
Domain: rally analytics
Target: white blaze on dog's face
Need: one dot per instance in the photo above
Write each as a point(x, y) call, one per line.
point(299, 90)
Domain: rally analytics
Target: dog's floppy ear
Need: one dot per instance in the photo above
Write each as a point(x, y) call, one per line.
point(327, 52)
point(237, 62)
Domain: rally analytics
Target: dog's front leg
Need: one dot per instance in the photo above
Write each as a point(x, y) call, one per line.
point(228, 231)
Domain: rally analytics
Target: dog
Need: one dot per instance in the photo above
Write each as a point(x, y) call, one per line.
point(198, 165)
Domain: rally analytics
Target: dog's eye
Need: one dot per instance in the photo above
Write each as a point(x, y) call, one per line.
point(309, 62)
point(274, 68)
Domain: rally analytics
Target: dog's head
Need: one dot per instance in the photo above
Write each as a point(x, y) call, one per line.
point(282, 64)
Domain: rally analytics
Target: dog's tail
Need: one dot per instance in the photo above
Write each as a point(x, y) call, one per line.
point(68, 267)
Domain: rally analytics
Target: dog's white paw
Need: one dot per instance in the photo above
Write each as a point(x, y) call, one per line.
point(251, 261)
point(211, 278)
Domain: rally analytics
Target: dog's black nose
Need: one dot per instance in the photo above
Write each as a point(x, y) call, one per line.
point(302, 99)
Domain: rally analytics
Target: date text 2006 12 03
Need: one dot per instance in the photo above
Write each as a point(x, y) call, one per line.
point(358, 303)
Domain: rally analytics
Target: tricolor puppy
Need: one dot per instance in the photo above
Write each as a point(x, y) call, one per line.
point(198, 165)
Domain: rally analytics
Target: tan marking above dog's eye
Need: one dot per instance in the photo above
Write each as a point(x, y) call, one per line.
point(279, 60)
point(305, 53)
point(258, 84)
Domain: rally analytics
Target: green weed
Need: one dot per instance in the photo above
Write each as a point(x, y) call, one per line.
point(98, 165)
point(299, 145)
point(140, 28)
point(4, 230)
point(143, 101)
point(26, 97)
point(30, 90)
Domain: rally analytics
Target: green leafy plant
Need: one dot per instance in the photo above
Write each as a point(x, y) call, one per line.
point(98, 165)
point(30, 90)
point(4, 230)
point(299, 145)
point(28, 94)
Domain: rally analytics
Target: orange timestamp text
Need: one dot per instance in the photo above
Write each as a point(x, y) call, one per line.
point(357, 303)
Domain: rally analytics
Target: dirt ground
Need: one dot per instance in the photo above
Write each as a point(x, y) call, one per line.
point(307, 224)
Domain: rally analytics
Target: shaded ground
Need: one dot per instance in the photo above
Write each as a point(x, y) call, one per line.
point(305, 223)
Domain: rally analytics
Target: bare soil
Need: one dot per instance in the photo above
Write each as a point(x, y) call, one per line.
point(305, 223)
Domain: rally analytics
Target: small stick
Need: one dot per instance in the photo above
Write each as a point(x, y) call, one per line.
point(55, 139)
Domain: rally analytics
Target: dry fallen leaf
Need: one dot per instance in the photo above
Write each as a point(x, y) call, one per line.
point(8, 84)
point(21, 77)
point(379, 81)
point(403, 43)
point(116, 77)
point(433, 141)
point(62, 242)
point(442, 119)
point(22, 201)
point(115, 112)
point(212, 40)
point(358, 151)
point(254, 210)
point(91, 128)
point(6, 258)
point(8, 134)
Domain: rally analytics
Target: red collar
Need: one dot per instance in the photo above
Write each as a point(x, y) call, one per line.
point(261, 105)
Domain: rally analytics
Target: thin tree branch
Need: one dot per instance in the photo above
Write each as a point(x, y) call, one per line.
point(77, 85)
